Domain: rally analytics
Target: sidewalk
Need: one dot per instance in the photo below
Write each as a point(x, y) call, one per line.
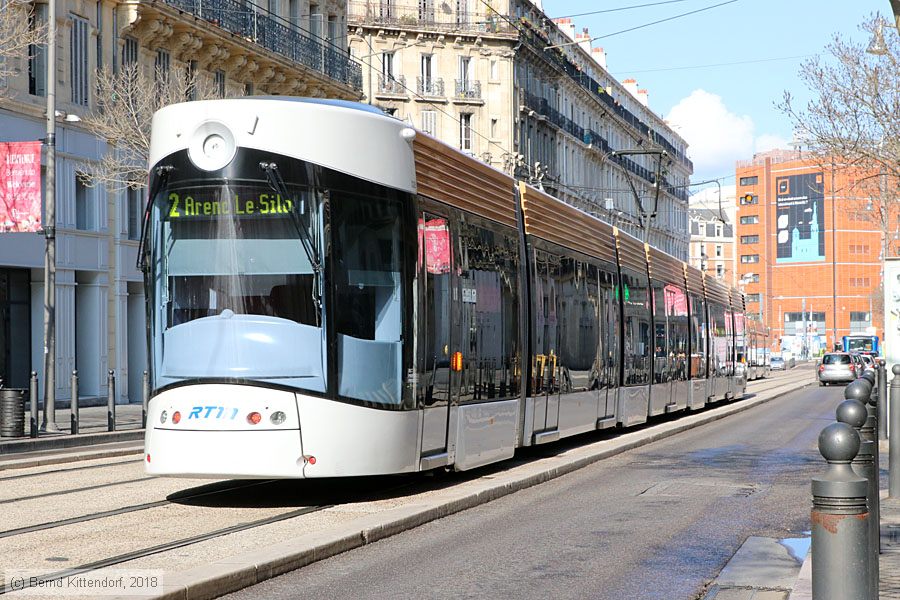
point(92, 441)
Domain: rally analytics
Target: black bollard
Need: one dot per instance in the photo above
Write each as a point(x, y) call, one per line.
point(75, 419)
point(853, 413)
point(840, 521)
point(881, 384)
point(111, 401)
point(894, 435)
point(33, 392)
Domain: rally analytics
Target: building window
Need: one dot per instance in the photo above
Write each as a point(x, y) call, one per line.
point(248, 88)
point(78, 60)
point(426, 11)
point(464, 63)
point(719, 230)
point(37, 55)
point(752, 297)
point(752, 199)
point(494, 123)
point(135, 213)
point(860, 282)
point(84, 205)
point(129, 51)
point(750, 220)
point(749, 239)
point(749, 180)
point(220, 83)
point(719, 250)
point(750, 278)
point(429, 122)
point(462, 12)
point(294, 13)
point(426, 74)
point(163, 61)
point(387, 66)
point(749, 258)
point(495, 73)
point(720, 270)
point(465, 132)
point(859, 321)
point(859, 249)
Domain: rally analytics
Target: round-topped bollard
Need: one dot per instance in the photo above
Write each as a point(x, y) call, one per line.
point(859, 389)
point(840, 521)
point(869, 376)
point(852, 412)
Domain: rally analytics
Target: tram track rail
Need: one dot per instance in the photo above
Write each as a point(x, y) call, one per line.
point(167, 546)
point(176, 498)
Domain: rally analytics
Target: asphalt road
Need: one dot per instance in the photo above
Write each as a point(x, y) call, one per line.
point(658, 522)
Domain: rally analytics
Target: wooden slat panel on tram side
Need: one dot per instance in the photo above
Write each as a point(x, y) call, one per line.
point(695, 281)
point(718, 292)
point(664, 267)
point(555, 221)
point(631, 252)
point(447, 175)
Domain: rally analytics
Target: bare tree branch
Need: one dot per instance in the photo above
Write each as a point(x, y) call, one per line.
point(128, 100)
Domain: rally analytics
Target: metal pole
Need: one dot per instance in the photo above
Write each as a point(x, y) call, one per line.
point(33, 389)
point(111, 401)
point(853, 413)
point(894, 433)
point(75, 420)
point(881, 373)
point(145, 398)
point(839, 520)
point(49, 423)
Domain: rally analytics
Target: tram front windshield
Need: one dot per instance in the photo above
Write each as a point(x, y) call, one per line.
point(235, 267)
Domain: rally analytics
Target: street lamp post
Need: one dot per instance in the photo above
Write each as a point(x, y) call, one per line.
point(49, 422)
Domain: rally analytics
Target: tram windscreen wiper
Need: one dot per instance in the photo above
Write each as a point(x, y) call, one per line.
point(273, 176)
point(162, 177)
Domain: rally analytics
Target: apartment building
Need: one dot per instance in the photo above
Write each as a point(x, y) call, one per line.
point(529, 96)
point(269, 47)
point(810, 245)
point(712, 248)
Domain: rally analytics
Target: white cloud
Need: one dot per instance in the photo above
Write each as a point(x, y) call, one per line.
point(716, 137)
point(769, 141)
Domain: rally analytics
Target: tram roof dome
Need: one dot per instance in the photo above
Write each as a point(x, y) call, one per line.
point(325, 101)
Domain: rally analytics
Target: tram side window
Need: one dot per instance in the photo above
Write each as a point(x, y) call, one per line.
point(489, 311)
point(608, 353)
point(699, 349)
point(370, 244)
point(435, 260)
point(635, 294)
point(729, 342)
point(719, 351)
point(670, 318)
point(740, 341)
point(546, 321)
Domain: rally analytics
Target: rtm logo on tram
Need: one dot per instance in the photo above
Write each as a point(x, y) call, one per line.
point(221, 412)
point(264, 204)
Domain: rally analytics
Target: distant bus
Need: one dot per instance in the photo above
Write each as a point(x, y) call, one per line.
point(867, 344)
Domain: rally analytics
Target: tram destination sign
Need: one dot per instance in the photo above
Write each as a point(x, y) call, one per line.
point(199, 205)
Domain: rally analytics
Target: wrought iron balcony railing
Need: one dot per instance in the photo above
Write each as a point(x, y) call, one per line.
point(279, 36)
point(468, 89)
point(392, 85)
point(431, 87)
point(432, 15)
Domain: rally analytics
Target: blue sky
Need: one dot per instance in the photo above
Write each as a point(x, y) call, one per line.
point(726, 113)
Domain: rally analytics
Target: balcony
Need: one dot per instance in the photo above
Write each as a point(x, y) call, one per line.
point(430, 88)
point(394, 87)
point(426, 16)
point(267, 30)
point(467, 92)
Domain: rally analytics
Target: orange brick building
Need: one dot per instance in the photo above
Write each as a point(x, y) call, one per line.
point(809, 249)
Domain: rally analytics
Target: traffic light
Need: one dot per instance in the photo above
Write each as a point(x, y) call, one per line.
point(747, 199)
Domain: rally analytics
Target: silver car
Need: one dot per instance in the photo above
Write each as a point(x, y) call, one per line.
point(838, 367)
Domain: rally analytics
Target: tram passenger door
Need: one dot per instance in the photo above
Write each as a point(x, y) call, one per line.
point(437, 347)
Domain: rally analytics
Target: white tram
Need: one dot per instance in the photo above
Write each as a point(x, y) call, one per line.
point(331, 293)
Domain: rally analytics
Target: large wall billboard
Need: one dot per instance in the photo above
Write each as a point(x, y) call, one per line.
point(891, 347)
point(800, 214)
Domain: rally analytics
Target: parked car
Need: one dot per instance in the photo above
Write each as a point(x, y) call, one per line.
point(776, 363)
point(868, 361)
point(838, 367)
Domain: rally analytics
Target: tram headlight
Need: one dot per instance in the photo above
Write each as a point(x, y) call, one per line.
point(278, 417)
point(163, 416)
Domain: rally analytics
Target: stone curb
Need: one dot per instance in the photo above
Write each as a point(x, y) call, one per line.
point(65, 441)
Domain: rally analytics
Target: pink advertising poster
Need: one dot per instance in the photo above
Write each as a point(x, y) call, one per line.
point(20, 186)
